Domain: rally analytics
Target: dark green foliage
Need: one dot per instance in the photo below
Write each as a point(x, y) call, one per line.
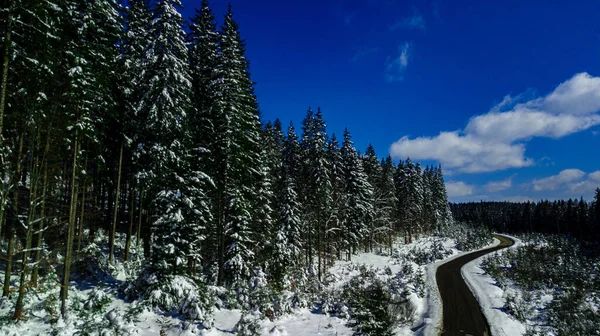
point(468, 236)
point(573, 217)
point(423, 256)
point(369, 300)
point(571, 280)
point(248, 325)
point(572, 314)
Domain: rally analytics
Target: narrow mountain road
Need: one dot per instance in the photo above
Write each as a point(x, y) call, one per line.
point(461, 312)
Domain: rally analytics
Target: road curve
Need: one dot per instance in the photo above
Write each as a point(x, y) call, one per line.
point(461, 312)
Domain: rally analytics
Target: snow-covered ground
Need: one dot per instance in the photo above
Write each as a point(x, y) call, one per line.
point(492, 298)
point(432, 315)
point(122, 318)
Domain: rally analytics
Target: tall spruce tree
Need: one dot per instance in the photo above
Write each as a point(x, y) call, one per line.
point(386, 202)
point(338, 197)
point(238, 174)
point(162, 151)
point(359, 202)
point(317, 186)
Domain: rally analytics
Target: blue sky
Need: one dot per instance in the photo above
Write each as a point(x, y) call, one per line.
point(503, 94)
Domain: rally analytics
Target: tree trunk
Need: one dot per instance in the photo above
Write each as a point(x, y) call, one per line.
point(38, 251)
point(5, 60)
point(131, 215)
point(147, 234)
point(391, 239)
point(220, 239)
point(14, 222)
point(80, 231)
point(116, 210)
point(139, 228)
point(3, 198)
point(33, 178)
point(3, 85)
point(64, 290)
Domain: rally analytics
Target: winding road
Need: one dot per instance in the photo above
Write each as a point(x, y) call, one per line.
point(461, 312)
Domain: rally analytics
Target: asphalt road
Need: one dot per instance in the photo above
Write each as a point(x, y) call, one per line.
point(461, 312)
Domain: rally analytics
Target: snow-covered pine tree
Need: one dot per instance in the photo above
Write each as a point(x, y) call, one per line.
point(338, 179)
point(263, 223)
point(272, 144)
point(204, 60)
point(317, 186)
point(239, 256)
point(371, 165)
point(123, 130)
point(443, 215)
point(89, 38)
point(596, 223)
point(291, 165)
point(288, 236)
point(29, 42)
point(400, 213)
point(288, 240)
point(428, 209)
point(381, 219)
point(173, 184)
point(386, 203)
point(410, 192)
point(238, 155)
point(359, 199)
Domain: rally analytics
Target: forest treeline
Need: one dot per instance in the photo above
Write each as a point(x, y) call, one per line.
point(130, 120)
point(573, 217)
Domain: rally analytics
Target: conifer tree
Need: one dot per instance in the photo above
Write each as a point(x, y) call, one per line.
point(428, 218)
point(410, 193)
point(317, 185)
point(386, 202)
point(237, 175)
point(596, 223)
point(288, 239)
point(359, 203)
point(338, 194)
point(291, 167)
point(162, 151)
point(443, 215)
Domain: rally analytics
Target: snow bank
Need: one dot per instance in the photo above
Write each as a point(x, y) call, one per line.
point(491, 297)
point(431, 316)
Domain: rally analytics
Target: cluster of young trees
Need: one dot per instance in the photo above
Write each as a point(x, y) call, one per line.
point(118, 118)
point(577, 218)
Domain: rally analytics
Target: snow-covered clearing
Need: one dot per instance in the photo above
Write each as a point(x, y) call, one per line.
point(412, 266)
point(491, 297)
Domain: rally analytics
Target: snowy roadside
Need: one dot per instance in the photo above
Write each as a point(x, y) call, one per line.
point(412, 266)
point(491, 297)
point(428, 308)
point(431, 318)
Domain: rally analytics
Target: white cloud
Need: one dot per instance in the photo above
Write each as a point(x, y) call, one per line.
point(457, 189)
point(555, 181)
point(523, 123)
point(415, 21)
point(595, 176)
point(495, 186)
point(586, 186)
point(394, 70)
point(465, 152)
point(579, 96)
point(496, 140)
